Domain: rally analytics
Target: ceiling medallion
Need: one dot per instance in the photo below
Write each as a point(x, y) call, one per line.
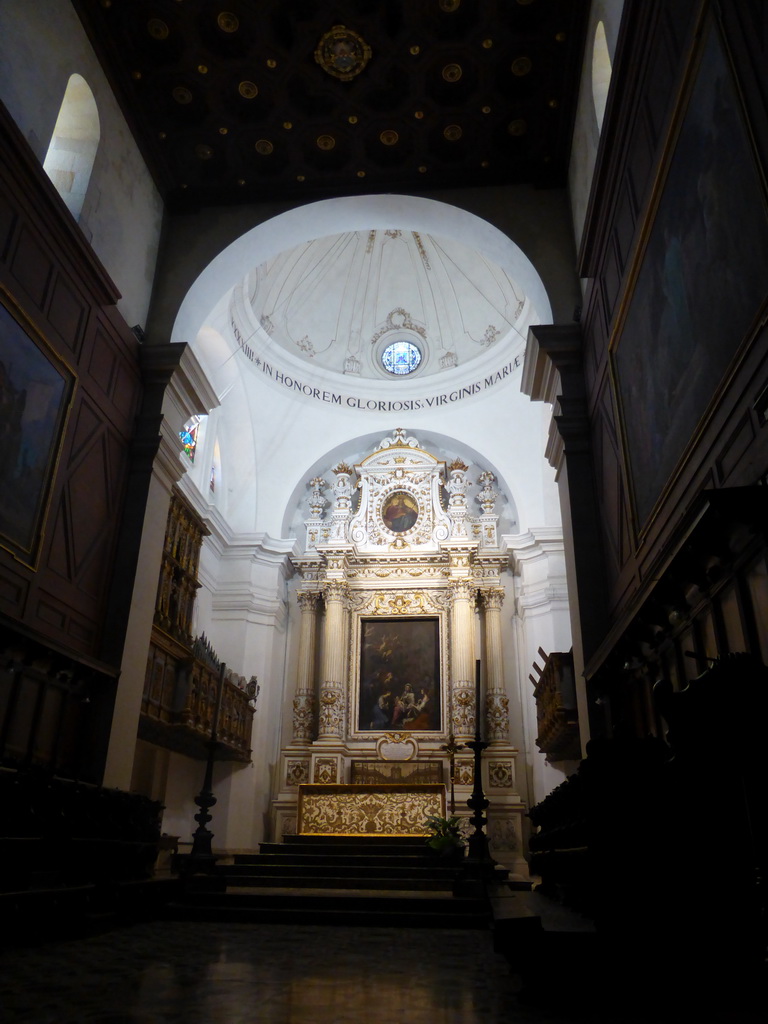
point(521, 66)
point(517, 127)
point(264, 147)
point(181, 94)
point(452, 132)
point(228, 22)
point(157, 28)
point(203, 152)
point(452, 72)
point(389, 137)
point(325, 142)
point(248, 90)
point(342, 53)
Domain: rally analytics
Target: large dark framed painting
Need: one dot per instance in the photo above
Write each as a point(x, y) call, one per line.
point(700, 282)
point(399, 675)
point(35, 394)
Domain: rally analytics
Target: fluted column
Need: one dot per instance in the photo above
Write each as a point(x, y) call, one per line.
point(496, 701)
point(463, 660)
point(331, 714)
point(304, 701)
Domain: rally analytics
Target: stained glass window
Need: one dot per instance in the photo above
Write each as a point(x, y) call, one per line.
point(401, 357)
point(189, 438)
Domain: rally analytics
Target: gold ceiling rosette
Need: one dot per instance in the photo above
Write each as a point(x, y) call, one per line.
point(343, 53)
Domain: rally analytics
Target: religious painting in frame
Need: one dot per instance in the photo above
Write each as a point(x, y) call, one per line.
point(36, 390)
point(399, 675)
point(700, 280)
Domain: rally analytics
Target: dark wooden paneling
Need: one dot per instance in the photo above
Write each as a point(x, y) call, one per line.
point(31, 266)
point(67, 313)
point(731, 446)
point(50, 271)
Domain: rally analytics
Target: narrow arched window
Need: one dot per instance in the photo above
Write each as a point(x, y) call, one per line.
point(601, 72)
point(72, 151)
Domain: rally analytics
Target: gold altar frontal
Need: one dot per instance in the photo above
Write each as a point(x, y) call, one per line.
point(368, 810)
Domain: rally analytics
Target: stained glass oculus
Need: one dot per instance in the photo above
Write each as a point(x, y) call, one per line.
point(401, 357)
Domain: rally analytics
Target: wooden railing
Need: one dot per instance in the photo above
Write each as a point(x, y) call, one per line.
point(556, 715)
point(181, 693)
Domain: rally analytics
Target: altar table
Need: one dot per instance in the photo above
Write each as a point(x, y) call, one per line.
point(338, 809)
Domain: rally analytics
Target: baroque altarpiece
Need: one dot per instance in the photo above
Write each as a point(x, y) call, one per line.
point(401, 592)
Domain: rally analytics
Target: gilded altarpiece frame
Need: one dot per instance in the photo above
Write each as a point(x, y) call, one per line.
point(398, 665)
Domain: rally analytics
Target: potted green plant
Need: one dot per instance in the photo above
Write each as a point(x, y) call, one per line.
point(445, 836)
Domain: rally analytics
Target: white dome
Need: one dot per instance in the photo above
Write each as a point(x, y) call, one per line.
point(338, 301)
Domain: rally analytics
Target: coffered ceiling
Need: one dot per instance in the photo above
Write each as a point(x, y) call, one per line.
point(256, 100)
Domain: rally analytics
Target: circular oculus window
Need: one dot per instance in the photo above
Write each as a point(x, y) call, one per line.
point(401, 357)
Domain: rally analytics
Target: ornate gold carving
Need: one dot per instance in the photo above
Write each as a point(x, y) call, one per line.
point(463, 710)
point(497, 715)
point(493, 598)
point(326, 770)
point(308, 600)
point(400, 604)
point(500, 774)
point(368, 810)
point(303, 716)
point(296, 773)
point(335, 590)
point(342, 53)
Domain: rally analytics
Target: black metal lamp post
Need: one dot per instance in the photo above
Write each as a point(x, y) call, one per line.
point(201, 859)
point(479, 866)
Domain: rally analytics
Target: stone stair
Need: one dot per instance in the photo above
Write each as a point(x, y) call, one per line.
point(396, 881)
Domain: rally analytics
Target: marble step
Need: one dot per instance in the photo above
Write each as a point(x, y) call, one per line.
point(327, 879)
point(342, 861)
point(335, 906)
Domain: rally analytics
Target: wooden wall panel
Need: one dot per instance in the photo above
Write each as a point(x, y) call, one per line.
point(732, 446)
point(50, 272)
point(67, 313)
point(30, 266)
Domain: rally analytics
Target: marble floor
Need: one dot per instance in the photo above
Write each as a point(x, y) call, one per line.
point(196, 973)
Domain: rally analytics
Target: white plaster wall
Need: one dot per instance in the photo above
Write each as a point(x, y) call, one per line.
point(541, 620)
point(586, 136)
point(42, 43)
point(184, 782)
point(248, 629)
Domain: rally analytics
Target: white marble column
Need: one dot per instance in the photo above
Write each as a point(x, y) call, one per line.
point(333, 673)
point(304, 701)
point(496, 701)
point(463, 660)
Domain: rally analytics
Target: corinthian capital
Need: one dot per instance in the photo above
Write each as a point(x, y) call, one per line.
point(335, 590)
point(462, 590)
point(493, 597)
point(308, 600)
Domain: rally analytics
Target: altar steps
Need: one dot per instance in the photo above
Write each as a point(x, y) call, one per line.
point(337, 881)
